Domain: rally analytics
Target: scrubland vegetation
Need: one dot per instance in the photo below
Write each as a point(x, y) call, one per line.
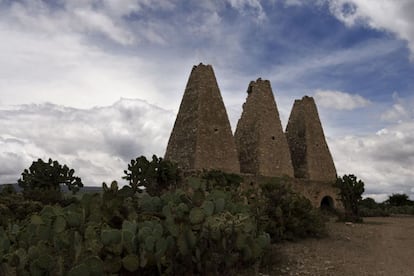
point(203, 224)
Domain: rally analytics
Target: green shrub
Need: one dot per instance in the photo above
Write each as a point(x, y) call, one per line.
point(396, 204)
point(7, 190)
point(157, 175)
point(286, 215)
point(373, 212)
point(192, 230)
point(350, 192)
point(227, 181)
point(14, 207)
point(399, 200)
point(401, 210)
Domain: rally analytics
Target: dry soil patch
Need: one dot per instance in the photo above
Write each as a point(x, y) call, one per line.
point(379, 246)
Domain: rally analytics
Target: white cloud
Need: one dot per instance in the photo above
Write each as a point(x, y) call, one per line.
point(36, 70)
point(82, 49)
point(294, 2)
point(396, 113)
point(401, 110)
point(339, 100)
point(392, 16)
point(98, 142)
point(383, 160)
point(99, 22)
point(253, 7)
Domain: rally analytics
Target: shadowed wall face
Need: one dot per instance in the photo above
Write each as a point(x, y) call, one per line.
point(260, 141)
point(202, 137)
point(310, 153)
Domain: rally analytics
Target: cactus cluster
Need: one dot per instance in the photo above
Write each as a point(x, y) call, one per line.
point(43, 180)
point(194, 229)
point(209, 225)
point(156, 175)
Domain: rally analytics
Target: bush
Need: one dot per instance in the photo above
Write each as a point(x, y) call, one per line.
point(13, 207)
point(42, 181)
point(286, 215)
point(401, 210)
point(393, 205)
point(399, 200)
point(373, 212)
point(350, 192)
point(157, 175)
point(7, 189)
point(193, 230)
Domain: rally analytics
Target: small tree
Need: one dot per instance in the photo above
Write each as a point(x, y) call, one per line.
point(369, 203)
point(156, 175)
point(398, 200)
point(350, 192)
point(42, 181)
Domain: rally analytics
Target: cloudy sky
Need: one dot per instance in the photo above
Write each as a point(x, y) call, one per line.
point(95, 83)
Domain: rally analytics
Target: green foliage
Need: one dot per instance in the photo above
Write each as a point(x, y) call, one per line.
point(227, 181)
point(156, 175)
point(401, 210)
point(350, 192)
point(369, 203)
point(212, 230)
point(7, 190)
point(193, 230)
point(14, 207)
point(399, 200)
point(368, 207)
point(42, 181)
point(396, 204)
point(286, 215)
point(207, 226)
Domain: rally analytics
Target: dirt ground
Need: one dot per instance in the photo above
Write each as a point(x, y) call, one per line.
point(379, 246)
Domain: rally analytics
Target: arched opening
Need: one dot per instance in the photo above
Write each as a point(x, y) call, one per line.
point(327, 203)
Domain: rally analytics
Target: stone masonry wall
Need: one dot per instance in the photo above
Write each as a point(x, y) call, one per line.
point(310, 153)
point(260, 141)
point(202, 137)
point(315, 191)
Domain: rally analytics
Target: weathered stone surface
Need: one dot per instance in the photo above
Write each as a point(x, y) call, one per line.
point(310, 154)
point(202, 137)
point(260, 141)
point(315, 191)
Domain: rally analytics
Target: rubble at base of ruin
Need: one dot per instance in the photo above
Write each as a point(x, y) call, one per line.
point(202, 139)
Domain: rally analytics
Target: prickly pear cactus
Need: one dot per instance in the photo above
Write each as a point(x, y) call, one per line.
point(198, 229)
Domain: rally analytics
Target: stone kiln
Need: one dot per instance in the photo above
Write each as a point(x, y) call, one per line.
point(202, 138)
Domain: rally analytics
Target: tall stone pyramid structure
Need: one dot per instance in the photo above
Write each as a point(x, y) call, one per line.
point(310, 153)
point(202, 137)
point(260, 141)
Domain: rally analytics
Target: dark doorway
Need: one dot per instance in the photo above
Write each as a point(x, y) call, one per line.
point(327, 203)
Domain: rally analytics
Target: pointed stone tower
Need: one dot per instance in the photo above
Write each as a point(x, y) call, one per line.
point(260, 141)
point(202, 137)
point(310, 153)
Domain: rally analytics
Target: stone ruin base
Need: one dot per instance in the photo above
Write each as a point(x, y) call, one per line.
point(321, 194)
